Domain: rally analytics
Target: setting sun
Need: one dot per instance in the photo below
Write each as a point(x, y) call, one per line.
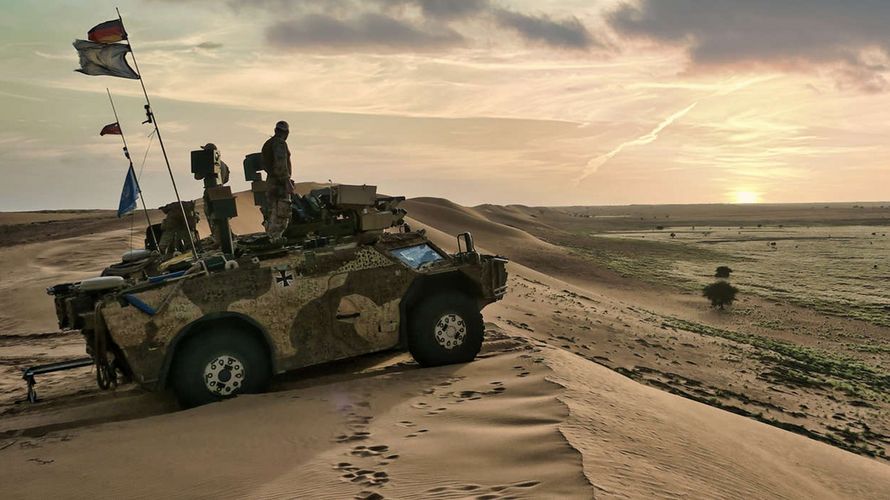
point(744, 197)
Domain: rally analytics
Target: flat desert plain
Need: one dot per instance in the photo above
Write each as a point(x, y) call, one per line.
point(604, 373)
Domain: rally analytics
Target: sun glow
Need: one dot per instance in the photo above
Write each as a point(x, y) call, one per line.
point(744, 197)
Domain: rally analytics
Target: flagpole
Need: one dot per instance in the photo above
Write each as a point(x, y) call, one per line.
point(135, 177)
point(151, 117)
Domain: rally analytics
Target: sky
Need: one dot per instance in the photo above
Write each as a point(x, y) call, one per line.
point(544, 102)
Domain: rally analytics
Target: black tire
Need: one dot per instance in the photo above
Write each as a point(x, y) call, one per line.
point(445, 328)
point(234, 360)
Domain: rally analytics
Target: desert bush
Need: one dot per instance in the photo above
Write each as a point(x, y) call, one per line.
point(722, 272)
point(720, 293)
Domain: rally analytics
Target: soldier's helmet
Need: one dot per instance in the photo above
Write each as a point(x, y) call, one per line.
point(209, 146)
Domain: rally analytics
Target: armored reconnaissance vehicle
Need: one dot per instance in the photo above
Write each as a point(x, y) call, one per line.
point(351, 278)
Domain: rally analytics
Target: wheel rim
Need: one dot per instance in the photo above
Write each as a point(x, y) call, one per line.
point(451, 331)
point(224, 375)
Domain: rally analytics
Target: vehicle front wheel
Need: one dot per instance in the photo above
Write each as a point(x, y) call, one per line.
point(217, 365)
point(445, 328)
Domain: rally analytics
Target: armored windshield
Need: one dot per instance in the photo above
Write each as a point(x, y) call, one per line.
point(417, 256)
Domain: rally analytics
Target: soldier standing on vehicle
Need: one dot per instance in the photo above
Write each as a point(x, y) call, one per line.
point(212, 221)
point(175, 228)
point(276, 163)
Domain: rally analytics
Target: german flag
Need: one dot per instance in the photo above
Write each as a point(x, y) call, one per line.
point(108, 32)
point(112, 129)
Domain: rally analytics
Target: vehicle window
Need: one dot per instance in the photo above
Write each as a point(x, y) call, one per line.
point(417, 256)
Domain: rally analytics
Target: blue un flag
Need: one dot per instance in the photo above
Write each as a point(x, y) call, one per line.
point(128, 194)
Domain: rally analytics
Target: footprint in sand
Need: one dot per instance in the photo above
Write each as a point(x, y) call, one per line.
point(355, 436)
point(456, 397)
point(370, 451)
point(358, 420)
point(451, 489)
point(369, 495)
point(499, 492)
point(358, 425)
point(365, 477)
point(371, 476)
point(466, 396)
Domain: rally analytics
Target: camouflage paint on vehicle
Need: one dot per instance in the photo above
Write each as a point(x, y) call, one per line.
point(313, 307)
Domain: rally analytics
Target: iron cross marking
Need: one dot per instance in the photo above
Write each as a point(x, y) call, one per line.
point(284, 278)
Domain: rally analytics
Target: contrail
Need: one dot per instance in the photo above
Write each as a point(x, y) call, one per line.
point(594, 164)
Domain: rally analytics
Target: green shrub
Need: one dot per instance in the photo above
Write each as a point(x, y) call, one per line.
point(722, 272)
point(720, 294)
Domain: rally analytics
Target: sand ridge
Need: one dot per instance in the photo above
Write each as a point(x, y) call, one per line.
point(539, 415)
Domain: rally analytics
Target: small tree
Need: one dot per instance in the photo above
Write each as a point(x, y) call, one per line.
point(722, 272)
point(720, 294)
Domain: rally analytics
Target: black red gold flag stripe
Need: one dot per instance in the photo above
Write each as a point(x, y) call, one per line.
point(108, 32)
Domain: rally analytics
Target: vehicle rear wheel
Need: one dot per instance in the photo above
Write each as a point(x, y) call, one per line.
point(217, 365)
point(444, 329)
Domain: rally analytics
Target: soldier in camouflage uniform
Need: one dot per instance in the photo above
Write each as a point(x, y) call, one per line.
point(276, 163)
point(175, 228)
point(212, 222)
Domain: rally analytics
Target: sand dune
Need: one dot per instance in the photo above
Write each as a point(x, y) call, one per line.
point(533, 418)
point(503, 239)
point(438, 433)
point(640, 442)
point(527, 420)
point(28, 269)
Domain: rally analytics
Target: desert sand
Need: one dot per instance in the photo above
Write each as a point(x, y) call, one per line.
point(571, 397)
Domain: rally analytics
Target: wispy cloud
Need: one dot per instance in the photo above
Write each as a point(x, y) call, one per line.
point(369, 32)
point(596, 163)
point(566, 33)
point(20, 96)
point(846, 39)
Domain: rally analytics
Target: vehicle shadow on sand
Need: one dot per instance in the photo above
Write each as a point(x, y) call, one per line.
point(86, 405)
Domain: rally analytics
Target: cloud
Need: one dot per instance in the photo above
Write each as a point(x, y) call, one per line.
point(209, 45)
point(367, 32)
point(404, 25)
point(443, 9)
point(798, 35)
point(568, 33)
point(19, 96)
point(433, 9)
point(595, 164)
